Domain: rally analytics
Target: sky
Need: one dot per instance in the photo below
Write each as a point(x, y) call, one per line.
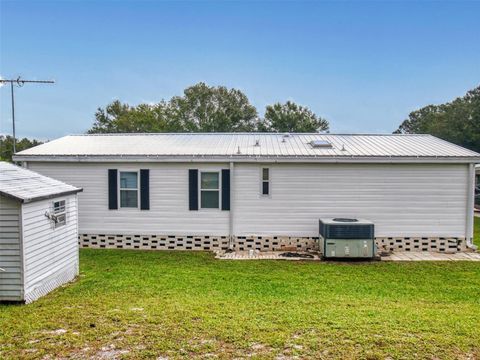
point(364, 66)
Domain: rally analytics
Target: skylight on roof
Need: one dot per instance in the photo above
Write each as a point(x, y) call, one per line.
point(321, 144)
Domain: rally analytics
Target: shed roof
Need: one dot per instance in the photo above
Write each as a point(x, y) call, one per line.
point(27, 186)
point(247, 146)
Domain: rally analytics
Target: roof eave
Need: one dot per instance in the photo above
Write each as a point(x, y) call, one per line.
point(248, 158)
point(43, 197)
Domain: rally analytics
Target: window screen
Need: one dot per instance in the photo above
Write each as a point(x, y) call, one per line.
point(210, 190)
point(265, 181)
point(128, 189)
point(59, 210)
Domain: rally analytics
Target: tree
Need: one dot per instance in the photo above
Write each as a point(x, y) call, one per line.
point(6, 146)
point(457, 121)
point(290, 117)
point(123, 118)
point(204, 108)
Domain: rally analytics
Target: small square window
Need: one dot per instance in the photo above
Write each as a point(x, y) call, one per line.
point(210, 200)
point(265, 174)
point(128, 198)
point(128, 180)
point(209, 180)
point(59, 210)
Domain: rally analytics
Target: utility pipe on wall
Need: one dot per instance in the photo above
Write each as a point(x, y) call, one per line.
point(232, 205)
point(470, 204)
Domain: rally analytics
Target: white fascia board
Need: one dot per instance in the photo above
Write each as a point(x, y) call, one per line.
point(247, 159)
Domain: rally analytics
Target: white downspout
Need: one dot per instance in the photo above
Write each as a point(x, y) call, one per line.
point(470, 206)
point(231, 235)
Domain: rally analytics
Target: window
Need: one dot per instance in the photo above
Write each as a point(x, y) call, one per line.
point(265, 181)
point(209, 190)
point(128, 189)
point(59, 213)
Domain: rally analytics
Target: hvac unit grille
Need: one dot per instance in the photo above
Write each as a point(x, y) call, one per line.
point(344, 231)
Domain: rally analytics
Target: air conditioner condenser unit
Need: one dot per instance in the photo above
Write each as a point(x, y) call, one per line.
point(347, 238)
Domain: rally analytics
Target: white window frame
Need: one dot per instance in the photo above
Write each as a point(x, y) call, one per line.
point(120, 189)
point(60, 211)
point(219, 190)
point(269, 181)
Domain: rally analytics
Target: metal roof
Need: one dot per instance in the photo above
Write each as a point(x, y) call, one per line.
point(245, 147)
point(27, 186)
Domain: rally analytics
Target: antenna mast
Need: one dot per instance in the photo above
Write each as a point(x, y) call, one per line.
point(19, 82)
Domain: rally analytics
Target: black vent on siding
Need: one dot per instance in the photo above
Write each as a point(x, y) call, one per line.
point(344, 231)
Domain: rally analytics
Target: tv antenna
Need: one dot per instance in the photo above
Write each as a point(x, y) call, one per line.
point(19, 82)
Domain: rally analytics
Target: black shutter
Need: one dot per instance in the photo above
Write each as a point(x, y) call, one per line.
point(144, 189)
point(225, 189)
point(112, 189)
point(193, 189)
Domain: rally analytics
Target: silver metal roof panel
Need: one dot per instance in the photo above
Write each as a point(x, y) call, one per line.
point(230, 146)
point(27, 186)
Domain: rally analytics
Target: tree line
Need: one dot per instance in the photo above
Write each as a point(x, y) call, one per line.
point(204, 108)
point(457, 121)
point(6, 146)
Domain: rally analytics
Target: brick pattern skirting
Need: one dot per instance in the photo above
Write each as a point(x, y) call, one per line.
point(153, 242)
point(275, 243)
point(261, 243)
point(433, 244)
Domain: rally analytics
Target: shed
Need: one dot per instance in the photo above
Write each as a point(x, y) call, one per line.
point(38, 234)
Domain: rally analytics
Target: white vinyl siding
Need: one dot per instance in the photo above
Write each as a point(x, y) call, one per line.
point(10, 250)
point(169, 213)
point(50, 252)
point(402, 200)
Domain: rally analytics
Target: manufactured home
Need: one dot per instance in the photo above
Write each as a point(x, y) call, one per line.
point(264, 191)
point(38, 234)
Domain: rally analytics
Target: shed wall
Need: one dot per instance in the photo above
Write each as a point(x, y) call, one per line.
point(402, 199)
point(10, 250)
point(50, 254)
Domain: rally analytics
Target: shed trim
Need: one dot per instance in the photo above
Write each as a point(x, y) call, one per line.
point(43, 197)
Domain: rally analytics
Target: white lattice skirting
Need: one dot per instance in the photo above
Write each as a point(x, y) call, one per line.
point(52, 282)
point(262, 243)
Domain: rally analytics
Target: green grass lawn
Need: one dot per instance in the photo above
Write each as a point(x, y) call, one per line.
point(138, 304)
